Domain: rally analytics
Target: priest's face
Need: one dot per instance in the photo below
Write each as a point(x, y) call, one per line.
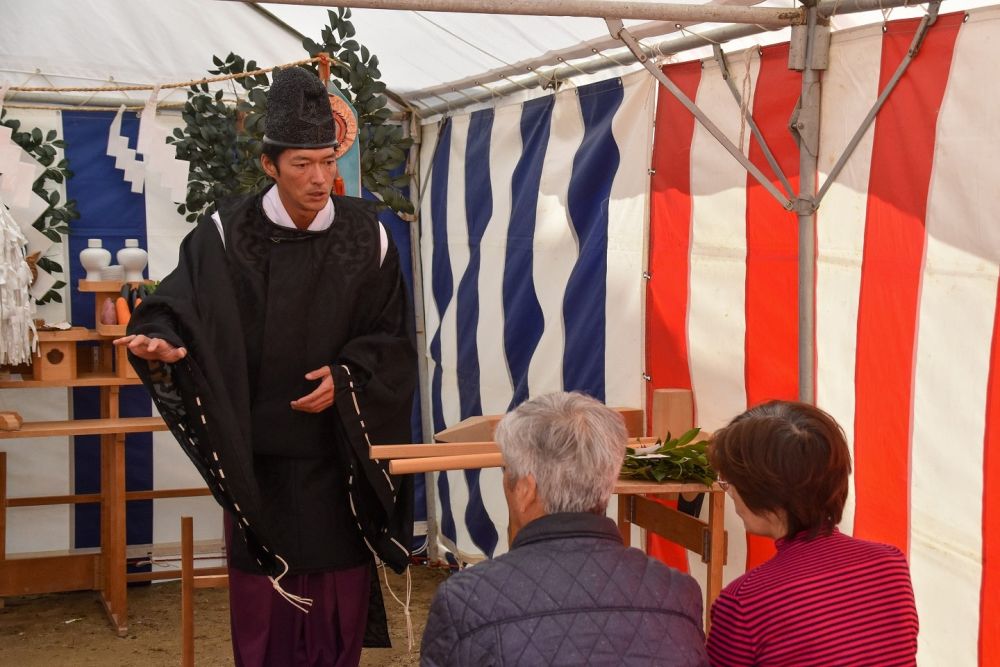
point(305, 179)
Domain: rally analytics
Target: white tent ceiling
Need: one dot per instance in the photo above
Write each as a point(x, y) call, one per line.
point(100, 42)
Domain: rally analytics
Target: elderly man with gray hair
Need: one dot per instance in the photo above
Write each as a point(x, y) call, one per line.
point(568, 592)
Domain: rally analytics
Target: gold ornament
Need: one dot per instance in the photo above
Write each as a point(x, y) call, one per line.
point(346, 125)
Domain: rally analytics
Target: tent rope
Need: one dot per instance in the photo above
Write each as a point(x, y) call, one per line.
point(685, 31)
point(747, 88)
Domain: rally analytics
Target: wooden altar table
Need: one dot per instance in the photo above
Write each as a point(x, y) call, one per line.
point(470, 444)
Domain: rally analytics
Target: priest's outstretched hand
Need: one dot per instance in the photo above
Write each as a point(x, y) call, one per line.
point(322, 397)
point(152, 349)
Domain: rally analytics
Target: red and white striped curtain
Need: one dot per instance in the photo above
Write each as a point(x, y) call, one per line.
point(908, 249)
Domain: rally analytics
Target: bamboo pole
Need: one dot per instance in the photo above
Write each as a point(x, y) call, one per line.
point(447, 450)
point(435, 449)
point(407, 459)
point(437, 463)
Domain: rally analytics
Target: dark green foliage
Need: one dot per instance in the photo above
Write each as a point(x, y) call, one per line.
point(55, 221)
point(673, 460)
point(225, 160)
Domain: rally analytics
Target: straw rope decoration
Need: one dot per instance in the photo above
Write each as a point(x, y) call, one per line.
point(151, 86)
point(139, 87)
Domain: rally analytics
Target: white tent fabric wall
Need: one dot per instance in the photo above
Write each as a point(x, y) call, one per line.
point(103, 42)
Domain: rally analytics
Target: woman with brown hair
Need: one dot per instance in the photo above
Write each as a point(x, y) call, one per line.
point(825, 598)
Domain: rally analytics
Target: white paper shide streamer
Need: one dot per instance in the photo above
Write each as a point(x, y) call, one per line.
point(17, 309)
point(126, 158)
point(158, 163)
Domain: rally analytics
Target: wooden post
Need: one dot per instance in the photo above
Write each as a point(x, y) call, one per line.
point(187, 592)
point(113, 580)
point(673, 412)
point(717, 551)
point(625, 518)
point(3, 505)
point(3, 510)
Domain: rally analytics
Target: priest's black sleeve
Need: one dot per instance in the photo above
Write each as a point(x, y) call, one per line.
point(375, 376)
point(203, 397)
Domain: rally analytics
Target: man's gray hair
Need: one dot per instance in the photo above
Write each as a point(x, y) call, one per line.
point(571, 444)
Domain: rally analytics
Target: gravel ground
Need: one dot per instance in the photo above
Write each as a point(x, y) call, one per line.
point(70, 628)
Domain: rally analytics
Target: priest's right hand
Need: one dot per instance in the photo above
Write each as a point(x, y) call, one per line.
point(152, 349)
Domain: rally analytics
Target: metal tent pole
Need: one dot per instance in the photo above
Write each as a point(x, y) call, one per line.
point(666, 47)
point(720, 57)
point(805, 124)
point(413, 129)
point(617, 28)
point(528, 72)
point(650, 11)
point(918, 38)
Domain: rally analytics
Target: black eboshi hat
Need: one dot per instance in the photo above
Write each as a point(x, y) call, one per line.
point(298, 111)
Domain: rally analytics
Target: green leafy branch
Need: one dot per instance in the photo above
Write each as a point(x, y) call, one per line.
point(355, 72)
point(670, 460)
point(223, 156)
point(222, 142)
point(56, 219)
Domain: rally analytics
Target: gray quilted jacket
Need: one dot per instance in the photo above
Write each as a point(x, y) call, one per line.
point(567, 593)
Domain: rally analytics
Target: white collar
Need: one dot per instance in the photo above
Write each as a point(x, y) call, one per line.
point(276, 213)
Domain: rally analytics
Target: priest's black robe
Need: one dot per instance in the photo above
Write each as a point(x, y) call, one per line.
point(256, 313)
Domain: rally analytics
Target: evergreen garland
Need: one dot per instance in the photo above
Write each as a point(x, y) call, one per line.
point(223, 142)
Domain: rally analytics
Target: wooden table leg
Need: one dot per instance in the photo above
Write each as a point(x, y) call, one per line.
point(625, 518)
point(717, 550)
point(113, 592)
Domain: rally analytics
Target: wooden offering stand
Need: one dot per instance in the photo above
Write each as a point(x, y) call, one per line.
point(81, 357)
point(110, 289)
point(470, 444)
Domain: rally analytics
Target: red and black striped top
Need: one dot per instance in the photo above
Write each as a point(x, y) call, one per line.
point(832, 600)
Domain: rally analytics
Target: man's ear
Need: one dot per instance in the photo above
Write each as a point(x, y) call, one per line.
point(268, 166)
point(525, 492)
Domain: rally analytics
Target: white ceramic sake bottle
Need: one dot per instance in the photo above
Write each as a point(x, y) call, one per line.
point(93, 258)
point(133, 259)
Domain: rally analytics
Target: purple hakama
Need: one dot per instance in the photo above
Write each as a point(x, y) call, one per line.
point(268, 631)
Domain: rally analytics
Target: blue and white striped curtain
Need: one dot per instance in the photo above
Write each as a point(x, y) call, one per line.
point(532, 242)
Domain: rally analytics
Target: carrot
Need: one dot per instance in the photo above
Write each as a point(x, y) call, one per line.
point(121, 309)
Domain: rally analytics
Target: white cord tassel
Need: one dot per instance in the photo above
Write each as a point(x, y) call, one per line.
point(296, 601)
point(405, 605)
point(18, 338)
